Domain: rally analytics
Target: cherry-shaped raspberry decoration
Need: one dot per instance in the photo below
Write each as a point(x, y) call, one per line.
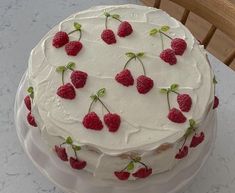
point(27, 102)
point(185, 102)
point(125, 78)
point(142, 172)
point(168, 55)
point(108, 36)
point(183, 152)
point(31, 120)
point(216, 102)
point(178, 45)
point(124, 29)
point(197, 139)
point(92, 121)
point(60, 39)
point(144, 84)
point(78, 78)
point(73, 48)
point(66, 91)
point(122, 175)
point(77, 164)
point(61, 153)
point(113, 121)
point(176, 116)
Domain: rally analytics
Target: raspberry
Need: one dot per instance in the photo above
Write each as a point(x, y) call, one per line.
point(144, 84)
point(77, 164)
point(112, 121)
point(61, 153)
point(142, 173)
point(178, 45)
point(60, 39)
point(125, 78)
point(122, 175)
point(73, 48)
point(92, 121)
point(27, 102)
point(124, 29)
point(31, 120)
point(176, 116)
point(197, 139)
point(78, 78)
point(216, 102)
point(66, 91)
point(108, 36)
point(183, 152)
point(168, 55)
point(185, 102)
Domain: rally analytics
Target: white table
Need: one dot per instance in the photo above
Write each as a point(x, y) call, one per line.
point(22, 24)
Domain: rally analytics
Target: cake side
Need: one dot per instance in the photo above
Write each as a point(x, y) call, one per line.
point(144, 125)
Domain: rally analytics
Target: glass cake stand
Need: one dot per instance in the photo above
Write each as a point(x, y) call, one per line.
point(174, 181)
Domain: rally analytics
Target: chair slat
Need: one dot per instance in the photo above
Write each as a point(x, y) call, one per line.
point(185, 16)
point(209, 35)
point(157, 3)
point(228, 60)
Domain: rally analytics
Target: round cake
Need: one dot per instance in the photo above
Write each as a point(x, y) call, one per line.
point(121, 92)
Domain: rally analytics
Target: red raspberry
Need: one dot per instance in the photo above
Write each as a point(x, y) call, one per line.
point(61, 153)
point(112, 121)
point(185, 102)
point(124, 29)
point(144, 84)
point(176, 116)
point(66, 91)
point(60, 39)
point(168, 55)
point(73, 48)
point(178, 45)
point(77, 164)
point(27, 102)
point(125, 78)
point(216, 102)
point(142, 173)
point(108, 36)
point(183, 152)
point(31, 120)
point(122, 175)
point(78, 78)
point(197, 139)
point(92, 121)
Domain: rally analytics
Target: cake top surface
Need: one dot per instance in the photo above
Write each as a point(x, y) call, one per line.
point(144, 123)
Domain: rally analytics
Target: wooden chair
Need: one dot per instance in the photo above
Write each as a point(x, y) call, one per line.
point(220, 13)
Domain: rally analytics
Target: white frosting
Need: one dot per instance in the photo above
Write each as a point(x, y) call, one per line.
point(144, 123)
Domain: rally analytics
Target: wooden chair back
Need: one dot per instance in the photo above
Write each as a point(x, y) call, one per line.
point(220, 13)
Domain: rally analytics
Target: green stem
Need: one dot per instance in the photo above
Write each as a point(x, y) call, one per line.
point(76, 155)
point(142, 64)
point(140, 163)
point(161, 32)
point(128, 62)
point(103, 105)
point(162, 41)
point(168, 100)
point(62, 144)
point(117, 19)
point(89, 110)
point(125, 167)
point(106, 22)
point(185, 139)
point(63, 77)
point(80, 33)
point(174, 92)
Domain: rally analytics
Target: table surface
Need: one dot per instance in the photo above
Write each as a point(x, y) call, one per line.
point(22, 24)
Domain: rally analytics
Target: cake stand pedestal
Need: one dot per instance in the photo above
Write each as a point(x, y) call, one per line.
point(173, 181)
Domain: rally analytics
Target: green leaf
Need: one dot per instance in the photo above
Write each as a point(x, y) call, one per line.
point(140, 54)
point(30, 89)
point(163, 90)
point(214, 80)
point(165, 28)
point(188, 132)
point(94, 97)
point(192, 123)
point(174, 87)
point(69, 140)
point(153, 31)
point(130, 54)
point(76, 147)
point(101, 92)
point(70, 65)
point(130, 166)
point(77, 26)
point(115, 16)
point(137, 159)
point(107, 14)
point(60, 69)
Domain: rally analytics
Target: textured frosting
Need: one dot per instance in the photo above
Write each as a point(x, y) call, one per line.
point(144, 124)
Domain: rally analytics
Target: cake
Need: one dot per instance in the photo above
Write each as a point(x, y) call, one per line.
point(121, 92)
